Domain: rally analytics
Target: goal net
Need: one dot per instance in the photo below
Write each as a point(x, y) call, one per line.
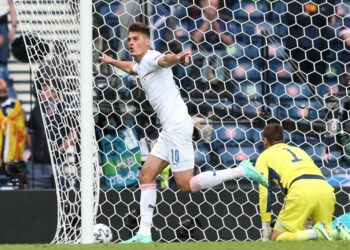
point(256, 62)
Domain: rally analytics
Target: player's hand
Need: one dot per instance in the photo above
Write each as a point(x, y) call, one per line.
point(266, 231)
point(106, 59)
point(326, 157)
point(12, 34)
point(183, 57)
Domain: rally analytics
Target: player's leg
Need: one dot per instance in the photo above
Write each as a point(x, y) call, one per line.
point(300, 205)
point(189, 184)
point(150, 169)
point(323, 212)
point(295, 211)
point(282, 234)
point(181, 158)
point(210, 179)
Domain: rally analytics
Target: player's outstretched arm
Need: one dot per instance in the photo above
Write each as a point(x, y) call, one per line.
point(171, 59)
point(123, 65)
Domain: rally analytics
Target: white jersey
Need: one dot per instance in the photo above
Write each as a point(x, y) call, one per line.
point(4, 7)
point(160, 89)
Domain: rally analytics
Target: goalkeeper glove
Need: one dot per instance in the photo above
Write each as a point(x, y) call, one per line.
point(266, 231)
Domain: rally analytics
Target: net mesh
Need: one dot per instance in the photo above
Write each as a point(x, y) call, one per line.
point(255, 62)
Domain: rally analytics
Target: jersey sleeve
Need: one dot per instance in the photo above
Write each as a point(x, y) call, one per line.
point(134, 69)
point(265, 194)
point(152, 60)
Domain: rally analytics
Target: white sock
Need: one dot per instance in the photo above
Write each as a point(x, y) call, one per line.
point(210, 179)
point(147, 205)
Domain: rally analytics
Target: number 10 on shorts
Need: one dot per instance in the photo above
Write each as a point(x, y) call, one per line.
point(175, 156)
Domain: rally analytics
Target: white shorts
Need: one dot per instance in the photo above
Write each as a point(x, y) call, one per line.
point(174, 145)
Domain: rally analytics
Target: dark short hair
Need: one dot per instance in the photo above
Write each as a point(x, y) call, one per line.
point(273, 132)
point(140, 27)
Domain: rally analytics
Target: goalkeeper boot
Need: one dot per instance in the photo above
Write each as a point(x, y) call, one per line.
point(321, 231)
point(251, 173)
point(343, 232)
point(138, 238)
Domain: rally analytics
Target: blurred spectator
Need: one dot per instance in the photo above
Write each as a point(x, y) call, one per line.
point(40, 174)
point(306, 22)
point(61, 129)
point(7, 7)
point(210, 37)
point(12, 128)
point(58, 118)
point(344, 33)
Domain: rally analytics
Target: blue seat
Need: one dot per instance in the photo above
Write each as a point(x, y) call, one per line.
point(279, 7)
point(338, 68)
point(322, 89)
point(281, 69)
point(239, 14)
point(231, 135)
point(202, 158)
point(228, 132)
point(234, 27)
point(279, 29)
point(232, 156)
point(336, 44)
point(247, 69)
point(202, 155)
point(251, 51)
point(240, 99)
point(330, 79)
point(249, 10)
point(253, 135)
point(227, 155)
point(279, 112)
point(297, 138)
point(243, 38)
point(339, 180)
point(249, 28)
point(344, 56)
point(250, 109)
point(278, 89)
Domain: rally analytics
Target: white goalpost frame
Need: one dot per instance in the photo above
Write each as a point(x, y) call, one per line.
point(105, 110)
point(87, 123)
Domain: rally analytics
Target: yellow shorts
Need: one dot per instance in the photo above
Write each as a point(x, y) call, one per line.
point(306, 199)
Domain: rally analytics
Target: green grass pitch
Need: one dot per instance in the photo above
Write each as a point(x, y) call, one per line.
point(309, 245)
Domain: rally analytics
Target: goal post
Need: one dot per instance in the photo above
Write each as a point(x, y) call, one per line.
point(259, 61)
point(87, 123)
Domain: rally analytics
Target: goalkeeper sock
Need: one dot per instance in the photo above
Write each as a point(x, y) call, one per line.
point(309, 234)
point(147, 205)
point(210, 179)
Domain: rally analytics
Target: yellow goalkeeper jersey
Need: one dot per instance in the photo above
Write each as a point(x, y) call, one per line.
point(12, 131)
point(281, 164)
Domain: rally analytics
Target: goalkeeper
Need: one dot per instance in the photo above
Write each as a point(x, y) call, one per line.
point(174, 144)
point(308, 195)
